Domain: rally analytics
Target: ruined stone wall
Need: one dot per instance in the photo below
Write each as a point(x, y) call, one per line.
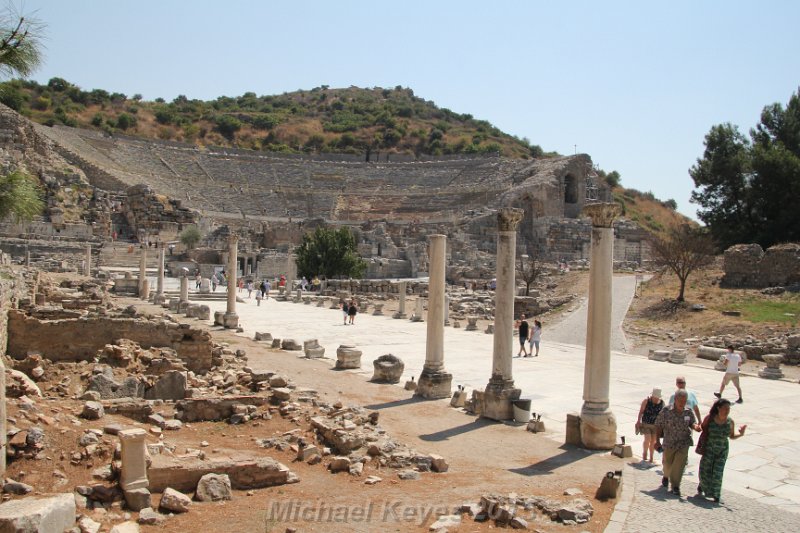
point(80, 339)
point(13, 288)
point(155, 215)
point(749, 266)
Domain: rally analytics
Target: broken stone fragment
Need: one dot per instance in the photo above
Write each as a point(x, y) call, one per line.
point(92, 410)
point(16, 487)
point(126, 527)
point(407, 475)
point(438, 463)
point(339, 464)
point(371, 480)
point(149, 517)
point(172, 500)
point(87, 525)
point(213, 488)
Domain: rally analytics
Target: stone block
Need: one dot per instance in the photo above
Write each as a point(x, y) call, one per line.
point(622, 451)
point(387, 369)
point(266, 337)
point(213, 488)
point(170, 386)
point(659, 355)
point(174, 501)
point(773, 368)
point(125, 527)
point(291, 345)
point(710, 352)
point(347, 357)
point(678, 356)
point(137, 499)
point(92, 411)
point(610, 487)
point(573, 436)
point(53, 514)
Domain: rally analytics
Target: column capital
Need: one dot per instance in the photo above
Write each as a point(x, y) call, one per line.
point(233, 238)
point(602, 214)
point(508, 218)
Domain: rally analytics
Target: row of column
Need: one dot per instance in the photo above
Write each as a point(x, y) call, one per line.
point(598, 424)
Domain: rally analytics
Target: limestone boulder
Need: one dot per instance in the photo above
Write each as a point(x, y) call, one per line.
point(291, 345)
point(213, 488)
point(149, 517)
point(51, 514)
point(92, 411)
point(172, 500)
point(126, 527)
point(170, 386)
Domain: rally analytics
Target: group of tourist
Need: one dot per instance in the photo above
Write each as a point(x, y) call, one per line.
point(531, 336)
point(314, 285)
point(667, 428)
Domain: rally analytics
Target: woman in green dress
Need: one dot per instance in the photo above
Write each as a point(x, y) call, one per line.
point(720, 429)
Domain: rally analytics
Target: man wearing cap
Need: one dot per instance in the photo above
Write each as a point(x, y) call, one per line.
point(645, 422)
point(691, 401)
point(675, 425)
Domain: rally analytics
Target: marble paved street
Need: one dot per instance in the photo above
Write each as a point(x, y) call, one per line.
point(763, 467)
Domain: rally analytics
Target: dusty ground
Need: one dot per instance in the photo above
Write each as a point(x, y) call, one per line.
point(651, 324)
point(484, 457)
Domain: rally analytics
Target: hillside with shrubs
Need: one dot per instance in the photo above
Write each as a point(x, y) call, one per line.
point(350, 120)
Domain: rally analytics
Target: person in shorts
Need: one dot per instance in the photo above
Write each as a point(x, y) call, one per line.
point(734, 364)
point(646, 423)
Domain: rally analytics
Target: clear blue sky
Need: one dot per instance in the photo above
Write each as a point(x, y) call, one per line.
point(636, 84)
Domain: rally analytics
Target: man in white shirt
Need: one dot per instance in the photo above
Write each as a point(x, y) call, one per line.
point(734, 362)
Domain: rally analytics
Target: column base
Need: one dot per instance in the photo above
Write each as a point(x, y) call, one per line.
point(398, 314)
point(230, 320)
point(497, 399)
point(159, 299)
point(434, 385)
point(598, 428)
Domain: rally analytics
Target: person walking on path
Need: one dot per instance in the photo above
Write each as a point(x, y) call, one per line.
point(734, 362)
point(524, 335)
point(718, 426)
point(352, 311)
point(258, 298)
point(536, 337)
point(198, 279)
point(249, 289)
point(267, 288)
point(646, 422)
point(345, 310)
point(691, 402)
point(675, 426)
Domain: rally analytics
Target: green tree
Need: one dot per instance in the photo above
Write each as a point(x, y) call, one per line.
point(528, 270)
point(20, 197)
point(682, 249)
point(190, 237)
point(20, 42)
point(227, 125)
point(723, 177)
point(329, 252)
point(613, 179)
point(743, 184)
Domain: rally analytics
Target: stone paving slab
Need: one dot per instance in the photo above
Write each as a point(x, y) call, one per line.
point(651, 509)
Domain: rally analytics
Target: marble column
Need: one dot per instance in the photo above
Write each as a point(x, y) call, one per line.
point(184, 288)
point(231, 319)
point(598, 424)
point(434, 381)
point(159, 298)
point(142, 269)
point(500, 391)
point(419, 309)
point(401, 290)
point(88, 261)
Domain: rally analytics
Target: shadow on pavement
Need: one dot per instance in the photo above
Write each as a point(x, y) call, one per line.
point(395, 403)
point(445, 434)
point(570, 454)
